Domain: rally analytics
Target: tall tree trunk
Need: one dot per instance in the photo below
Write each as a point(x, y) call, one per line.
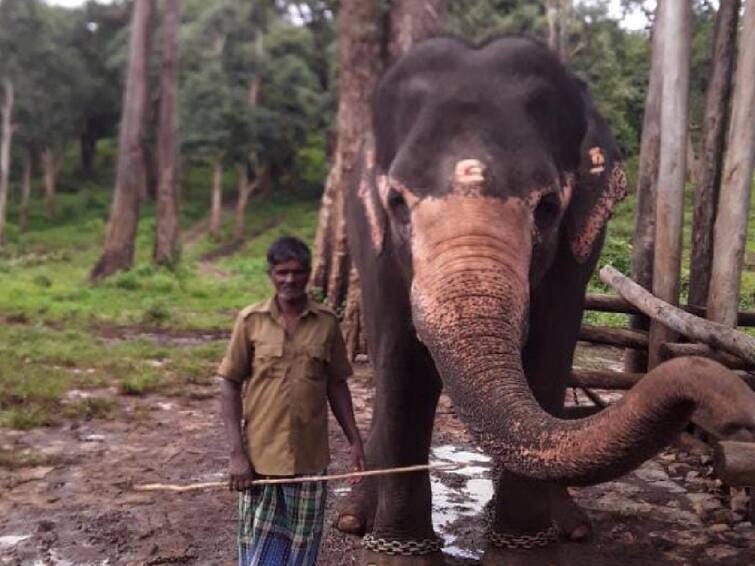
point(167, 242)
point(5, 142)
point(50, 167)
point(352, 319)
point(672, 169)
point(643, 241)
point(216, 210)
point(359, 67)
point(412, 21)
point(716, 118)
point(246, 188)
point(734, 202)
point(23, 218)
point(88, 149)
point(551, 16)
point(118, 252)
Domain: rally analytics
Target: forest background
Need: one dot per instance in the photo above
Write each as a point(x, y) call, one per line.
point(257, 98)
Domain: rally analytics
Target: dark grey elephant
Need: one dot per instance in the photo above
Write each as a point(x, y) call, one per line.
point(475, 220)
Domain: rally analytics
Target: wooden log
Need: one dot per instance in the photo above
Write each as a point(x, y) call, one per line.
point(620, 337)
point(678, 350)
point(581, 411)
point(603, 302)
point(734, 462)
point(604, 379)
point(711, 333)
point(734, 200)
point(672, 168)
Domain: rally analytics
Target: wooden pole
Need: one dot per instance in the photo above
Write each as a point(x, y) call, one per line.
point(686, 349)
point(714, 134)
point(672, 167)
point(734, 201)
point(711, 333)
point(643, 241)
point(619, 337)
point(734, 462)
point(611, 303)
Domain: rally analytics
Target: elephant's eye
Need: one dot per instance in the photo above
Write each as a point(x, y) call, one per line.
point(547, 211)
point(398, 206)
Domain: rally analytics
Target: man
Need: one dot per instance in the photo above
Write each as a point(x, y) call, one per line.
point(286, 360)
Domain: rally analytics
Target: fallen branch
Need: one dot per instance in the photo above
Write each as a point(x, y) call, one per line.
point(302, 479)
point(712, 333)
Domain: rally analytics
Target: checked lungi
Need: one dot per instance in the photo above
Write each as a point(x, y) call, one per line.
point(281, 525)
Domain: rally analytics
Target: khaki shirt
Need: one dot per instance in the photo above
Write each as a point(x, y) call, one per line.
point(285, 394)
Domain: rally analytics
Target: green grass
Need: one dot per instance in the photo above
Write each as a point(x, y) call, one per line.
point(55, 335)
point(55, 322)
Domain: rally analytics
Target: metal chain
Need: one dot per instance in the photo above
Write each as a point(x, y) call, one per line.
point(526, 542)
point(402, 547)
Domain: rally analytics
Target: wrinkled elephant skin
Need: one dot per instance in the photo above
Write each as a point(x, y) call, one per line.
point(475, 219)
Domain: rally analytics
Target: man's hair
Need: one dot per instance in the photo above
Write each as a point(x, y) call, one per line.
point(286, 249)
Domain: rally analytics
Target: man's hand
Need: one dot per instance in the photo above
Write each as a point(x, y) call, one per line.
point(357, 459)
point(241, 473)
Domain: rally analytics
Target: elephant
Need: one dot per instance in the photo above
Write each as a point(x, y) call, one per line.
point(475, 218)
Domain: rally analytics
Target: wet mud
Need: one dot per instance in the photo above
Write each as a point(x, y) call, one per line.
point(69, 499)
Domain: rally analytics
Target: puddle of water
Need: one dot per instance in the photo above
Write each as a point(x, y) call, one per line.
point(460, 500)
point(9, 541)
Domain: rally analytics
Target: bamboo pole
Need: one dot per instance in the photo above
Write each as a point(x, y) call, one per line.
point(302, 479)
point(672, 167)
point(611, 303)
point(643, 240)
point(734, 200)
point(712, 333)
point(619, 337)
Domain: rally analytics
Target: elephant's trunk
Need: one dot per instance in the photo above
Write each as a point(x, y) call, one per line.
point(470, 295)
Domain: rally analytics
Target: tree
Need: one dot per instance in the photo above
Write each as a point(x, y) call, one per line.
point(6, 133)
point(716, 116)
point(118, 252)
point(359, 56)
point(166, 227)
point(734, 201)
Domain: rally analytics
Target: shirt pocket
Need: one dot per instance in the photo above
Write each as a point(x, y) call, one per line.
point(268, 360)
point(318, 356)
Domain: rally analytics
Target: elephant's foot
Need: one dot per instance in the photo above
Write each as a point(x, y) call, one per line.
point(370, 558)
point(356, 515)
point(572, 521)
point(546, 556)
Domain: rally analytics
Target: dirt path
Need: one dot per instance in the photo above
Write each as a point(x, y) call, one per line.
point(71, 503)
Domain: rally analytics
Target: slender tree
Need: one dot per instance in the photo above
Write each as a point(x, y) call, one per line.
point(672, 166)
point(23, 213)
point(359, 55)
point(6, 136)
point(716, 117)
point(412, 21)
point(118, 252)
point(734, 201)
point(167, 248)
point(643, 241)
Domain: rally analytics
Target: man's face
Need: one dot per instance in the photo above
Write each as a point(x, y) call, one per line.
point(290, 279)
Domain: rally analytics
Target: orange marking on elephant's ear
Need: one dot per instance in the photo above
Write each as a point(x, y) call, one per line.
point(598, 160)
point(582, 243)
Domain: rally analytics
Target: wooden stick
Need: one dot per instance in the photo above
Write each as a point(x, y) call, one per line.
point(611, 303)
point(712, 333)
point(620, 337)
point(734, 462)
point(302, 479)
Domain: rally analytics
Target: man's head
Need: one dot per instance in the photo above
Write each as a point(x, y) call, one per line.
point(288, 261)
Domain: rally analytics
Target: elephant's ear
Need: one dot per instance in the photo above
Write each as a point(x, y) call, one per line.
point(368, 192)
point(599, 184)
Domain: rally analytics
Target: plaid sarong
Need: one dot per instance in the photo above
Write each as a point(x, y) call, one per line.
point(281, 525)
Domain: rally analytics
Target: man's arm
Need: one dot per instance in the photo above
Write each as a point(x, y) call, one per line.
point(240, 468)
point(339, 397)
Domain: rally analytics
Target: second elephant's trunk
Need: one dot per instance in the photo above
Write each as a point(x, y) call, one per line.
point(470, 295)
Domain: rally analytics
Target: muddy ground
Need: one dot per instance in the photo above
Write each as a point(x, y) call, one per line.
point(71, 501)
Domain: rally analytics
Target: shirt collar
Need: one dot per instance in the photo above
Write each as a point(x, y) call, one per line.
point(271, 306)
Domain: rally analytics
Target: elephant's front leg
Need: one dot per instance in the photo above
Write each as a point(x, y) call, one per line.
point(407, 392)
point(529, 506)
